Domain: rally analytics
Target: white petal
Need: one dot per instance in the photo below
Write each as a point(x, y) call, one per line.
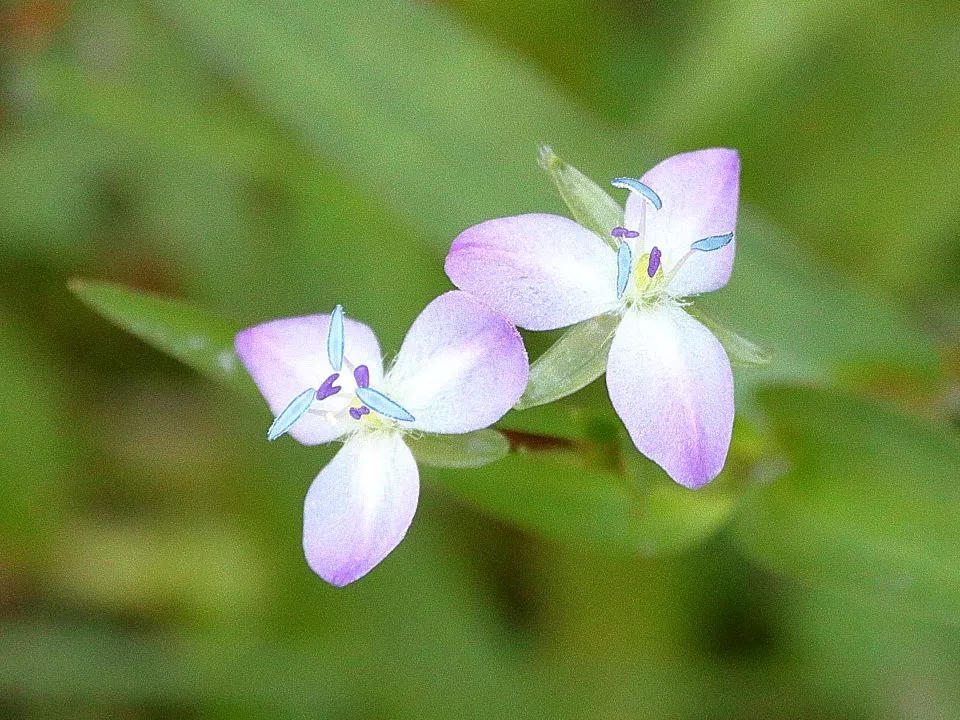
point(670, 382)
point(461, 367)
point(700, 192)
point(359, 507)
point(541, 271)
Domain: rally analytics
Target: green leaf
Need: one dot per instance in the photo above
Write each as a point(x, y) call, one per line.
point(470, 450)
point(589, 204)
point(574, 361)
point(448, 100)
point(675, 518)
point(39, 448)
point(870, 508)
point(741, 350)
point(552, 496)
point(556, 494)
point(195, 337)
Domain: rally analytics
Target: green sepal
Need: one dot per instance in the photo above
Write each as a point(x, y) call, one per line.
point(574, 361)
point(742, 351)
point(589, 204)
point(469, 450)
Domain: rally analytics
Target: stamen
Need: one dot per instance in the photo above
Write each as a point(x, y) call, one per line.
point(714, 242)
point(637, 186)
point(624, 268)
point(654, 263)
point(622, 232)
point(376, 400)
point(291, 413)
point(335, 339)
point(362, 375)
point(328, 388)
point(357, 413)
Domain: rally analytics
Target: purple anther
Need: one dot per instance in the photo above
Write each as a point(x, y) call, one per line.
point(328, 388)
point(357, 413)
point(654, 264)
point(362, 375)
point(622, 232)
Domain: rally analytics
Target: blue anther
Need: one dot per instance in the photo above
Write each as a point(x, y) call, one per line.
point(639, 187)
point(624, 267)
point(335, 338)
point(291, 413)
point(714, 242)
point(377, 401)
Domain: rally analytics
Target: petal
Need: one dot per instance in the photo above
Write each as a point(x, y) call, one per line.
point(700, 192)
point(541, 271)
point(359, 507)
point(670, 382)
point(287, 356)
point(461, 367)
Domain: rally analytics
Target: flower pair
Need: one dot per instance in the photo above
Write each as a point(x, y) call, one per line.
point(463, 365)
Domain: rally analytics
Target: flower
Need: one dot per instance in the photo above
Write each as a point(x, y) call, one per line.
point(668, 377)
point(461, 367)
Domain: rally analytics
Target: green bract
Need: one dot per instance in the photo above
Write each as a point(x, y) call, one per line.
point(741, 350)
point(577, 359)
point(589, 204)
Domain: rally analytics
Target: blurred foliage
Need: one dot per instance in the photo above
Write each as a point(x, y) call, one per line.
point(258, 160)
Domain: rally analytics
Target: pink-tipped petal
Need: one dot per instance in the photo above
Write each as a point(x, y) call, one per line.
point(287, 356)
point(700, 192)
point(670, 382)
point(541, 271)
point(461, 367)
point(359, 507)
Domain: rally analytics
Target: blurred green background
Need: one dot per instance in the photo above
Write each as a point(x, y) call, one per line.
point(267, 159)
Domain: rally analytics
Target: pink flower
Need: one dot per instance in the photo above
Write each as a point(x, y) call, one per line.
point(461, 367)
point(668, 377)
